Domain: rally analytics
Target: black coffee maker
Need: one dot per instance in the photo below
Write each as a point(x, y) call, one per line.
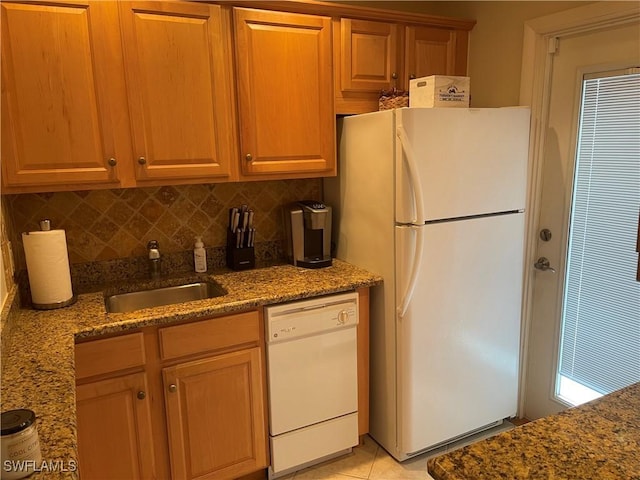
point(308, 231)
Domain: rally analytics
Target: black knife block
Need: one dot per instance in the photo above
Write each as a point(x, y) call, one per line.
point(239, 258)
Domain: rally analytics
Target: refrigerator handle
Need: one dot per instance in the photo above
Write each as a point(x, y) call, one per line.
point(412, 167)
point(415, 269)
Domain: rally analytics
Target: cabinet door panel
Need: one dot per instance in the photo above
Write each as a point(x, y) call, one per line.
point(215, 416)
point(285, 93)
point(435, 51)
point(114, 429)
point(369, 55)
point(178, 63)
point(56, 125)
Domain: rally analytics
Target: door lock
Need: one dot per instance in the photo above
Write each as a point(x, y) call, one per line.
point(545, 235)
point(544, 265)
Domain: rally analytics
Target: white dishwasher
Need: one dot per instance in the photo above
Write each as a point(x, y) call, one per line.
point(313, 380)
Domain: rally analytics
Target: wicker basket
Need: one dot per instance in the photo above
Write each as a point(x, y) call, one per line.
point(393, 99)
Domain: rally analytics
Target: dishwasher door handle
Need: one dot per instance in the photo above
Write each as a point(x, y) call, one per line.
point(310, 308)
point(314, 307)
point(294, 311)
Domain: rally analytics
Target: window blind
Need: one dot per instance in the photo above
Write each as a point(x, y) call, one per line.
point(600, 335)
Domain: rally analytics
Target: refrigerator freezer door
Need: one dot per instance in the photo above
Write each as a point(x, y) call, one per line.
point(468, 161)
point(458, 341)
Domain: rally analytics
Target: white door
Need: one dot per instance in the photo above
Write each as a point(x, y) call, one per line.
point(576, 55)
point(459, 336)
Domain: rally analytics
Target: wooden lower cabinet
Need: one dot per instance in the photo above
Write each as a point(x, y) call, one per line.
point(114, 429)
point(147, 410)
point(215, 416)
point(363, 360)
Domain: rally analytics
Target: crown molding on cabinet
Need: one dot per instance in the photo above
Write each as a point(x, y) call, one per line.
point(353, 11)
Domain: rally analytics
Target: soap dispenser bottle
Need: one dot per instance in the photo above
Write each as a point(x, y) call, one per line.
point(200, 256)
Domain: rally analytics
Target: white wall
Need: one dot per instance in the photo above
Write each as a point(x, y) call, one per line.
point(495, 53)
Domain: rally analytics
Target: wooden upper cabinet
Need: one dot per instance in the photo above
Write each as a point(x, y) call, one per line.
point(369, 53)
point(434, 51)
point(60, 103)
point(104, 94)
point(178, 70)
point(285, 94)
point(371, 56)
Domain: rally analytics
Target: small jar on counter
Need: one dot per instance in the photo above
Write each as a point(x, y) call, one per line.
point(20, 444)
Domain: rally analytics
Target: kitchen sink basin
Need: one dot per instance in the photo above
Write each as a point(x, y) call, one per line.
point(157, 297)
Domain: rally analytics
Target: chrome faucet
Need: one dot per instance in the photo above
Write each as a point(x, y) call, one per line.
point(154, 259)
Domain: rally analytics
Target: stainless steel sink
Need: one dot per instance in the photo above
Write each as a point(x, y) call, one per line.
point(157, 297)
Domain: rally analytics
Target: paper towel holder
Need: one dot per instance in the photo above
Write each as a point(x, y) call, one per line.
point(45, 226)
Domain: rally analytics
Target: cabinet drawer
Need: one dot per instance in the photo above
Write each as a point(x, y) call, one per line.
point(108, 355)
point(208, 335)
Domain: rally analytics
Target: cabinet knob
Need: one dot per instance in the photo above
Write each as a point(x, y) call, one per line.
point(141, 395)
point(173, 388)
point(112, 162)
point(248, 157)
point(394, 75)
point(142, 160)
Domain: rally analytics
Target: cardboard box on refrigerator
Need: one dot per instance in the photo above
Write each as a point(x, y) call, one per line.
point(439, 91)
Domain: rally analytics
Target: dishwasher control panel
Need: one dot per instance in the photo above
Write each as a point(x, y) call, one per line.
point(309, 317)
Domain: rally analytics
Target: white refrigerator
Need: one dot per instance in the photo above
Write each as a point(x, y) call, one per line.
point(432, 199)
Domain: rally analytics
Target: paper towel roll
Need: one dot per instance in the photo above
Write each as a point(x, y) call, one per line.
point(48, 268)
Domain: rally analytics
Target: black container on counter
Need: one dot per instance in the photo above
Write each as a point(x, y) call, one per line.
point(240, 256)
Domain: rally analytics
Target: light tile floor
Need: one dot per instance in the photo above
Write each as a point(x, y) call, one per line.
point(371, 462)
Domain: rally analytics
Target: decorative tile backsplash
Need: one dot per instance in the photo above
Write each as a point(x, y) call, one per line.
point(113, 224)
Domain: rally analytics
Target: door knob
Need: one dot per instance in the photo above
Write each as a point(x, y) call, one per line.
point(544, 265)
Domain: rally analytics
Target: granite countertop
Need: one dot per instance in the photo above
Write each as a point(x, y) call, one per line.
point(38, 369)
point(599, 440)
